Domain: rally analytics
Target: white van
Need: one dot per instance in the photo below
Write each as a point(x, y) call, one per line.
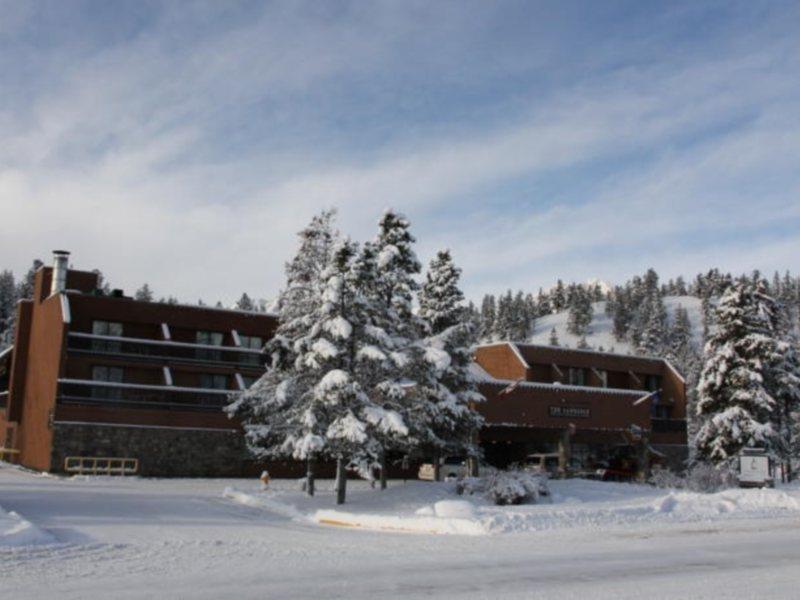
point(451, 468)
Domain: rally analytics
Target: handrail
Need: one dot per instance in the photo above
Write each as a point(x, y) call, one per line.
point(105, 465)
point(121, 339)
point(144, 386)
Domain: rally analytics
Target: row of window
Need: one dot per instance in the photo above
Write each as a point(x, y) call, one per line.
point(579, 377)
point(208, 381)
point(206, 338)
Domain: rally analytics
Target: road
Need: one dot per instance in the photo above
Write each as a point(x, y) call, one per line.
point(181, 539)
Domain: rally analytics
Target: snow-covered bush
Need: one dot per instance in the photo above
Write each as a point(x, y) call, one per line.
point(699, 478)
point(515, 487)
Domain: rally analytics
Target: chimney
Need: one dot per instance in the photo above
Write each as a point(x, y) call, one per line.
point(59, 281)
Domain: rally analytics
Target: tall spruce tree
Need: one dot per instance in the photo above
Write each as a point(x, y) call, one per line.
point(8, 308)
point(734, 404)
point(271, 409)
point(143, 294)
point(448, 348)
point(488, 316)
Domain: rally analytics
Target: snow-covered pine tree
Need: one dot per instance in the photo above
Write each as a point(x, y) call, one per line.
point(488, 315)
point(653, 339)
point(453, 391)
point(581, 312)
point(274, 409)
point(519, 318)
point(143, 294)
point(397, 268)
point(733, 403)
point(340, 354)
point(543, 306)
point(782, 379)
point(245, 303)
point(504, 323)
point(558, 297)
point(8, 308)
point(553, 337)
point(25, 286)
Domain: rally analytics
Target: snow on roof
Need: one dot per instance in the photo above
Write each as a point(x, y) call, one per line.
point(482, 376)
point(514, 349)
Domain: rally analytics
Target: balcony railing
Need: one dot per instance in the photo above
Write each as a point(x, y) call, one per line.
point(139, 348)
point(3, 398)
point(668, 425)
point(129, 395)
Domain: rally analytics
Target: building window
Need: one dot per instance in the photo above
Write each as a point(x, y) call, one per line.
point(652, 383)
point(108, 375)
point(213, 381)
point(110, 329)
point(603, 377)
point(209, 338)
point(251, 342)
point(577, 376)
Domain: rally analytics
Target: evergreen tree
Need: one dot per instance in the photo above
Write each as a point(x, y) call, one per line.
point(8, 308)
point(396, 269)
point(733, 402)
point(452, 392)
point(558, 297)
point(245, 303)
point(504, 323)
point(543, 306)
point(25, 286)
point(143, 294)
point(553, 337)
point(440, 299)
point(271, 409)
point(581, 312)
point(488, 316)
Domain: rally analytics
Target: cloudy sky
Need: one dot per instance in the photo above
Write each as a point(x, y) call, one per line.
point(184, 144)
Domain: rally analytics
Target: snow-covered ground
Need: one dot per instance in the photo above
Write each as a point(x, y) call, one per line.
point(142, 538)
point(602, 327)
point(425, 507)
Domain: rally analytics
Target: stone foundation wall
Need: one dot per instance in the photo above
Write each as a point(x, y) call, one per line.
point(162, 452)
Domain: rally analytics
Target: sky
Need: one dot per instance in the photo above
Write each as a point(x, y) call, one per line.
point(184, 144)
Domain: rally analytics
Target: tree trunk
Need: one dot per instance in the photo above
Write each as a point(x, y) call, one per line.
point(310, 477)
point(472, 467)
point(383, 470)
point(341, 481)
point(437, 475)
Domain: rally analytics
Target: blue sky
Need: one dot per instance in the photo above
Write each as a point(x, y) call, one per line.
point(183, 144)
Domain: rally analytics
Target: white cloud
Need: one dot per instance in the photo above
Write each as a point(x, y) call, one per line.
point(118, 160)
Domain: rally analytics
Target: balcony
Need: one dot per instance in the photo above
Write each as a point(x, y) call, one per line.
point(128, 395)
point(668, 425)
point(164, 351)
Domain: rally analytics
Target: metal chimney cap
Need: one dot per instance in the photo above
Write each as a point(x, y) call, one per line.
point(61, 252)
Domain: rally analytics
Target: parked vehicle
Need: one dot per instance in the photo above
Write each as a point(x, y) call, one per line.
point(541, 463)
point(451, 468)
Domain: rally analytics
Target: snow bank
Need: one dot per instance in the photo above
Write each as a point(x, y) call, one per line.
point(428, 521)
point(434, 508)
point(17, 531)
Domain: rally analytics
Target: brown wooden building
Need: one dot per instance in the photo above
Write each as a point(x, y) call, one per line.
point(94, 375)
point(603, 405)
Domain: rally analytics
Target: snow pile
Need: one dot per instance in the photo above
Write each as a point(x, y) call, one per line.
point(17, 531)
point(434, 508)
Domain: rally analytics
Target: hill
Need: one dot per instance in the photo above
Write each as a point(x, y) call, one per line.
point(601, 330)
